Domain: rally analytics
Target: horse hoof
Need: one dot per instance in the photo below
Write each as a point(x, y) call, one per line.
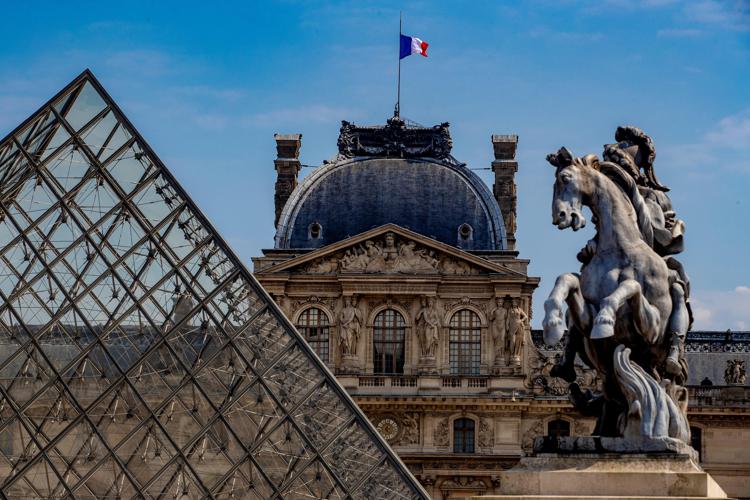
point(553, 332)
point(602, 331)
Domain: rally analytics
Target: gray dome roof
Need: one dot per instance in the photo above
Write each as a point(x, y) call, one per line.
point(431, 197)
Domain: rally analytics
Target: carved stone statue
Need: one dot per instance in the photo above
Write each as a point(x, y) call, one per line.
point(517, 323)
point(627, 310)
point(428, 328)
point(735, 373)
point(499, 325)
point(350, 321)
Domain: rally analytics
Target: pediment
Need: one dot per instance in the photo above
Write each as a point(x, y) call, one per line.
point(390, 249)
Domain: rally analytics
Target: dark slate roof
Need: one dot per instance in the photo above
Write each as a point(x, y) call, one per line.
point(429, 196)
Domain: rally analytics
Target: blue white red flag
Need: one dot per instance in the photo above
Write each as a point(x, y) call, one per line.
point(412, 45)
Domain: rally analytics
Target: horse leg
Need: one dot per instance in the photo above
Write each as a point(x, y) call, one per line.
point(679, 323)
point(567, 289)
point(645, 316)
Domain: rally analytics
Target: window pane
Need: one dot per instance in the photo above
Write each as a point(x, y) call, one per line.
point(465, 343)
point(314, 325)
point(389, 330)
point(463, 435)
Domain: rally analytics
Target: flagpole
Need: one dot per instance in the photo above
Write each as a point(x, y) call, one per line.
point(397, 111)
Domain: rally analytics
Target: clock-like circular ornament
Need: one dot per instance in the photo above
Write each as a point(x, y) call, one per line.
point(388, 428)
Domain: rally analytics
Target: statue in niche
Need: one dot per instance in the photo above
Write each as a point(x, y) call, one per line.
point(428, 327)
point(517, 323)
point(350, 321)
point(627, 309)
point(499, 323)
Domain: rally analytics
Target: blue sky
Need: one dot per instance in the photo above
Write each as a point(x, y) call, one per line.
point(209, 85)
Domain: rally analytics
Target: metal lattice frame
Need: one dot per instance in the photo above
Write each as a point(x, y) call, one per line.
point(138, 356)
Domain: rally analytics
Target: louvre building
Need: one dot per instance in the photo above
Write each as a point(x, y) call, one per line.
point(139, 357)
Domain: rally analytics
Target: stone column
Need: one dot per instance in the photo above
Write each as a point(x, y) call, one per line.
point(287, 168)
point(505, 167)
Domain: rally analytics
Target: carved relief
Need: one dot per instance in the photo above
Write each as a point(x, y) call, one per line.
point(396, 140)
point(581, 428)
point(389, 255)
point(486, 433)
point(463, 483)
point(409, 429)
point(441, 436)
point(543, 384)
point(465, 301)
point(735, 373)
point(329, 302)
point(536, 429)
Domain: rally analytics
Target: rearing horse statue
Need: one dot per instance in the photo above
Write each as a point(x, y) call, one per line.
point(622, 302)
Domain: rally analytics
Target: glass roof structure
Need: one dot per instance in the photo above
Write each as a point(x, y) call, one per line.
point(139, 358)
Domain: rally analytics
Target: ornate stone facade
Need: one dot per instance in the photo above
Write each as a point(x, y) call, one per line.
point(419, 296)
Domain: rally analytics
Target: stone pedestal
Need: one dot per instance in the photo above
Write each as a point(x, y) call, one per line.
point(607, 468)
point(349, 364)
point(427, 365)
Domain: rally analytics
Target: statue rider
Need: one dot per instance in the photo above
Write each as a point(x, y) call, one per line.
point(634, 153)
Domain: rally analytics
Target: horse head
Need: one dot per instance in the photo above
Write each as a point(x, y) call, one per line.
point(573, 186)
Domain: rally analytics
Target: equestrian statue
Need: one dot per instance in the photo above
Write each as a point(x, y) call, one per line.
point(627, 308)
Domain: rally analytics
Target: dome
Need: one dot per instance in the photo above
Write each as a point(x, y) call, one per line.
point(438, 198)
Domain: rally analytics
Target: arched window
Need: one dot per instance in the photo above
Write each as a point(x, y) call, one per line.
point(696, 441)
point(388, 334)
point(314, 325)
point(463, 435)
point(558, 428)
point(465, 343)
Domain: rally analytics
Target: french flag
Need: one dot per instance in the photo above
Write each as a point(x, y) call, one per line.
point(412, 45)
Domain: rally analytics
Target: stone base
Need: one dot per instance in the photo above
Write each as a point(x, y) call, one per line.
point(590, 468)
point(349, 365)
point(603, 445)
point(427, 366)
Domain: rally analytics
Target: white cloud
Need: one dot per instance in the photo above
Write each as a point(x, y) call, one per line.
point(719, 309)
point(729, 14)
point(732, 131)
point(724, 146)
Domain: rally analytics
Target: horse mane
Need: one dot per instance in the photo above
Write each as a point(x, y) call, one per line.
point(627, 184)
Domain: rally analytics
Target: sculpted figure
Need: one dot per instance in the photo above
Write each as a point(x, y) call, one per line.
point(411, 261)
point(517, 320)
point(390, 251)
point(375, 259)
point(499, 323)
point(350, 320)
point(735, 373)
point(428, 327)
point(627, 309)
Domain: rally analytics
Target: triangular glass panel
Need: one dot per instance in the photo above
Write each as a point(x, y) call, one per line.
point(139, 356)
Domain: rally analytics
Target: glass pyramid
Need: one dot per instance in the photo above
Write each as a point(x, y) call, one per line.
point(138, 356)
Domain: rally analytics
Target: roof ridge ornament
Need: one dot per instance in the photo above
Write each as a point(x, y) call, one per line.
point(395, 139)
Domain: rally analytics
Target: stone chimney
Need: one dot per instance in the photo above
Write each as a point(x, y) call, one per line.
point(505, 167)
point(287, 168)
